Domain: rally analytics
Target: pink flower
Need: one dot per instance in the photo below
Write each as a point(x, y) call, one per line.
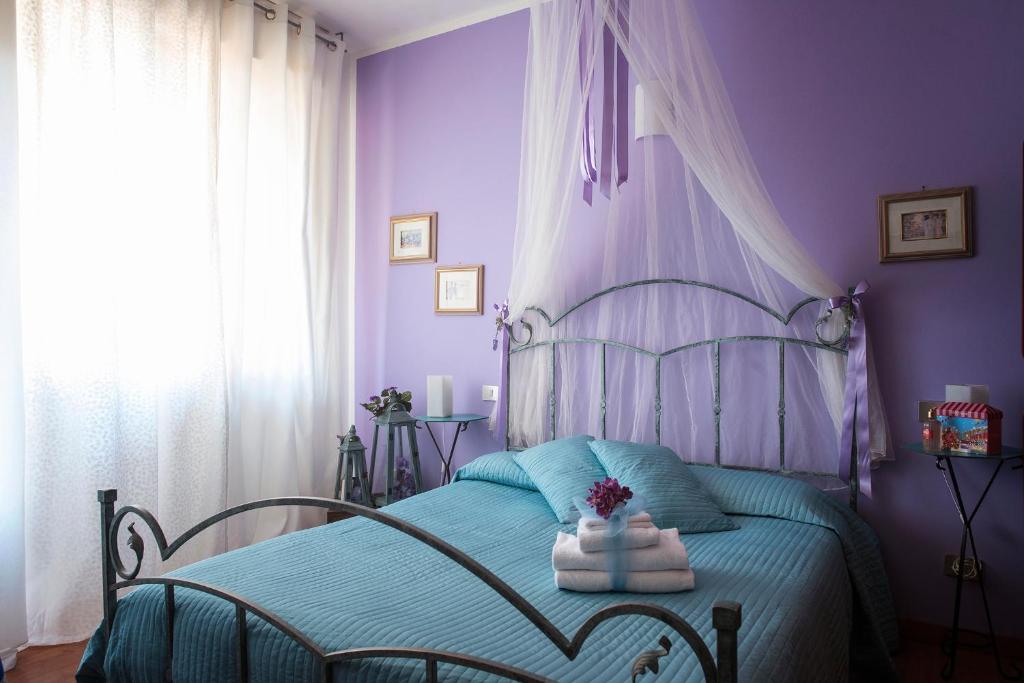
point(606, 495)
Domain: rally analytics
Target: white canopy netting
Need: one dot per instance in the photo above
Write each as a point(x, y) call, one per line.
point(686, 203)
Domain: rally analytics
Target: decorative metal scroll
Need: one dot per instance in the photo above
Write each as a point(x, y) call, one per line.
point(525, 342)
point(726, 616)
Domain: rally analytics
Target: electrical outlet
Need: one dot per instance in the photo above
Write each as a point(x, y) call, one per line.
point(490, 393)
point(972, 568)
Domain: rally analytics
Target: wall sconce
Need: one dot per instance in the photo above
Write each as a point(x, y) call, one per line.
point(647, 122)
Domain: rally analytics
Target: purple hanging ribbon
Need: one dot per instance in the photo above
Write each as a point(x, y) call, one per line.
point(607, 111)
point(856, 423)
point(622, 99)
point(588, 160)
point(614, 109)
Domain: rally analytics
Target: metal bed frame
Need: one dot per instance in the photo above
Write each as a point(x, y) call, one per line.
point(720, 667)
point(525, 342)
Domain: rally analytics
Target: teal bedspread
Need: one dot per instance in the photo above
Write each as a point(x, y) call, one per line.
point(806, 570)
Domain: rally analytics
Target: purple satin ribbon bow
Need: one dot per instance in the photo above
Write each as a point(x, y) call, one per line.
point(856, 423)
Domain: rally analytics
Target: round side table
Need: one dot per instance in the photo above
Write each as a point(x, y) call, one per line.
point(461, 421)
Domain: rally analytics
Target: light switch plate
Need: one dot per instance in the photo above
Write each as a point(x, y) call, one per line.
point(490, 393)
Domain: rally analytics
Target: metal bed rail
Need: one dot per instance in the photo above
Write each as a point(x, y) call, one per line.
point(721, 667)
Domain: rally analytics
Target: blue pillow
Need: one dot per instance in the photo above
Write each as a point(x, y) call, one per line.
point(674, 496)
point(499, 468)
point(562, 470)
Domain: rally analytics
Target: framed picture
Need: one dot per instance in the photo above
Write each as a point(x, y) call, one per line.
point(414, 238)
point(930, 224)
point(459, 290)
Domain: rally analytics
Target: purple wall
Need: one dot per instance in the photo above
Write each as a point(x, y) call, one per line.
point(838, 106)
point(439, 125)
point(826, 95)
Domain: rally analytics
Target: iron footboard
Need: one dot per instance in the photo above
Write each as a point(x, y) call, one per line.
point(718, 668)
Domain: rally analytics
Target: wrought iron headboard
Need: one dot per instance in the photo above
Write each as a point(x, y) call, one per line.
point(525, 342)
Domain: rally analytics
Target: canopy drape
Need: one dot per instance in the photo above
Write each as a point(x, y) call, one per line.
point(694, 207)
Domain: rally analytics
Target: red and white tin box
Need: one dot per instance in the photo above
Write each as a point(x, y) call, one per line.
point(971, 427)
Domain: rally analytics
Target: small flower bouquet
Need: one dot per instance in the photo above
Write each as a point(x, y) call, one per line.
point(607, 495)
point(378, 404)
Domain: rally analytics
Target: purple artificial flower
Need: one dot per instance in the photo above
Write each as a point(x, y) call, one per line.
point(405, 484)
point(500, 322)
point(606, 495)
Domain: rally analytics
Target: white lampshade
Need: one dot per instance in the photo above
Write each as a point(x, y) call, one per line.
point(646, 121)
point(439, 395)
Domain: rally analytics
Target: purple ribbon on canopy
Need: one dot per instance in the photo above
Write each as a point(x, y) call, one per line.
point(588, 160)
point(615, 105)
point(856, 423)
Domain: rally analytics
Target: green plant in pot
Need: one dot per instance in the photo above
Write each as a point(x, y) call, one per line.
point(378, 404)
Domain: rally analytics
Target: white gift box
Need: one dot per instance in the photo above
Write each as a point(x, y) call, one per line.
point(967, 393)
point(439, 395)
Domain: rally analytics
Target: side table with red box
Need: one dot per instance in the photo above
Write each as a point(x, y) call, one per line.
point(944, 462)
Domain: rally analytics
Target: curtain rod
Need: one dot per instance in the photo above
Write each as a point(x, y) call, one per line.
point(270, 13)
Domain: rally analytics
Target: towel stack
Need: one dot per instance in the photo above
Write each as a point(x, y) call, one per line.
point(649, 560)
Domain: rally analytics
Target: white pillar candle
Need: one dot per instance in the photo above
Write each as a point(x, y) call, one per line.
point(439, 395)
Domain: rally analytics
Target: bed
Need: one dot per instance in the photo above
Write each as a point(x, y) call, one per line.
point(456, 584)
point(803, 566)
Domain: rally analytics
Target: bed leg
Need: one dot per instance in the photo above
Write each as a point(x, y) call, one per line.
point(106, 498)
point(243, 644)
point(169, 626)
point(726, 617)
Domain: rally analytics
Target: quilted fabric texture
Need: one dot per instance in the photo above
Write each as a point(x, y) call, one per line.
point(561, 470)
point(672, 494)
point(501, 468)
point(753, 493)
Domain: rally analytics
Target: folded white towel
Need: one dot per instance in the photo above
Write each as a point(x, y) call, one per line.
point(642, 520)
point(668, 581)
point(669, 553)
point(632, 537)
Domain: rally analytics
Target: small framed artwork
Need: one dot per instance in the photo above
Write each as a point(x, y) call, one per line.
point(931, 224)
point(459, 290)
point(414, 238)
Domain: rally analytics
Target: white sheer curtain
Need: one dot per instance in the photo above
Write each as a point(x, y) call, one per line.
point(694, 207)
point(13, 630)
point(122, 351)
point(179, 295)
point(552, 126)
point(279, 123)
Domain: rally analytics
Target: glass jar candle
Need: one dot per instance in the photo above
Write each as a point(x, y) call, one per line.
point(931, 432)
